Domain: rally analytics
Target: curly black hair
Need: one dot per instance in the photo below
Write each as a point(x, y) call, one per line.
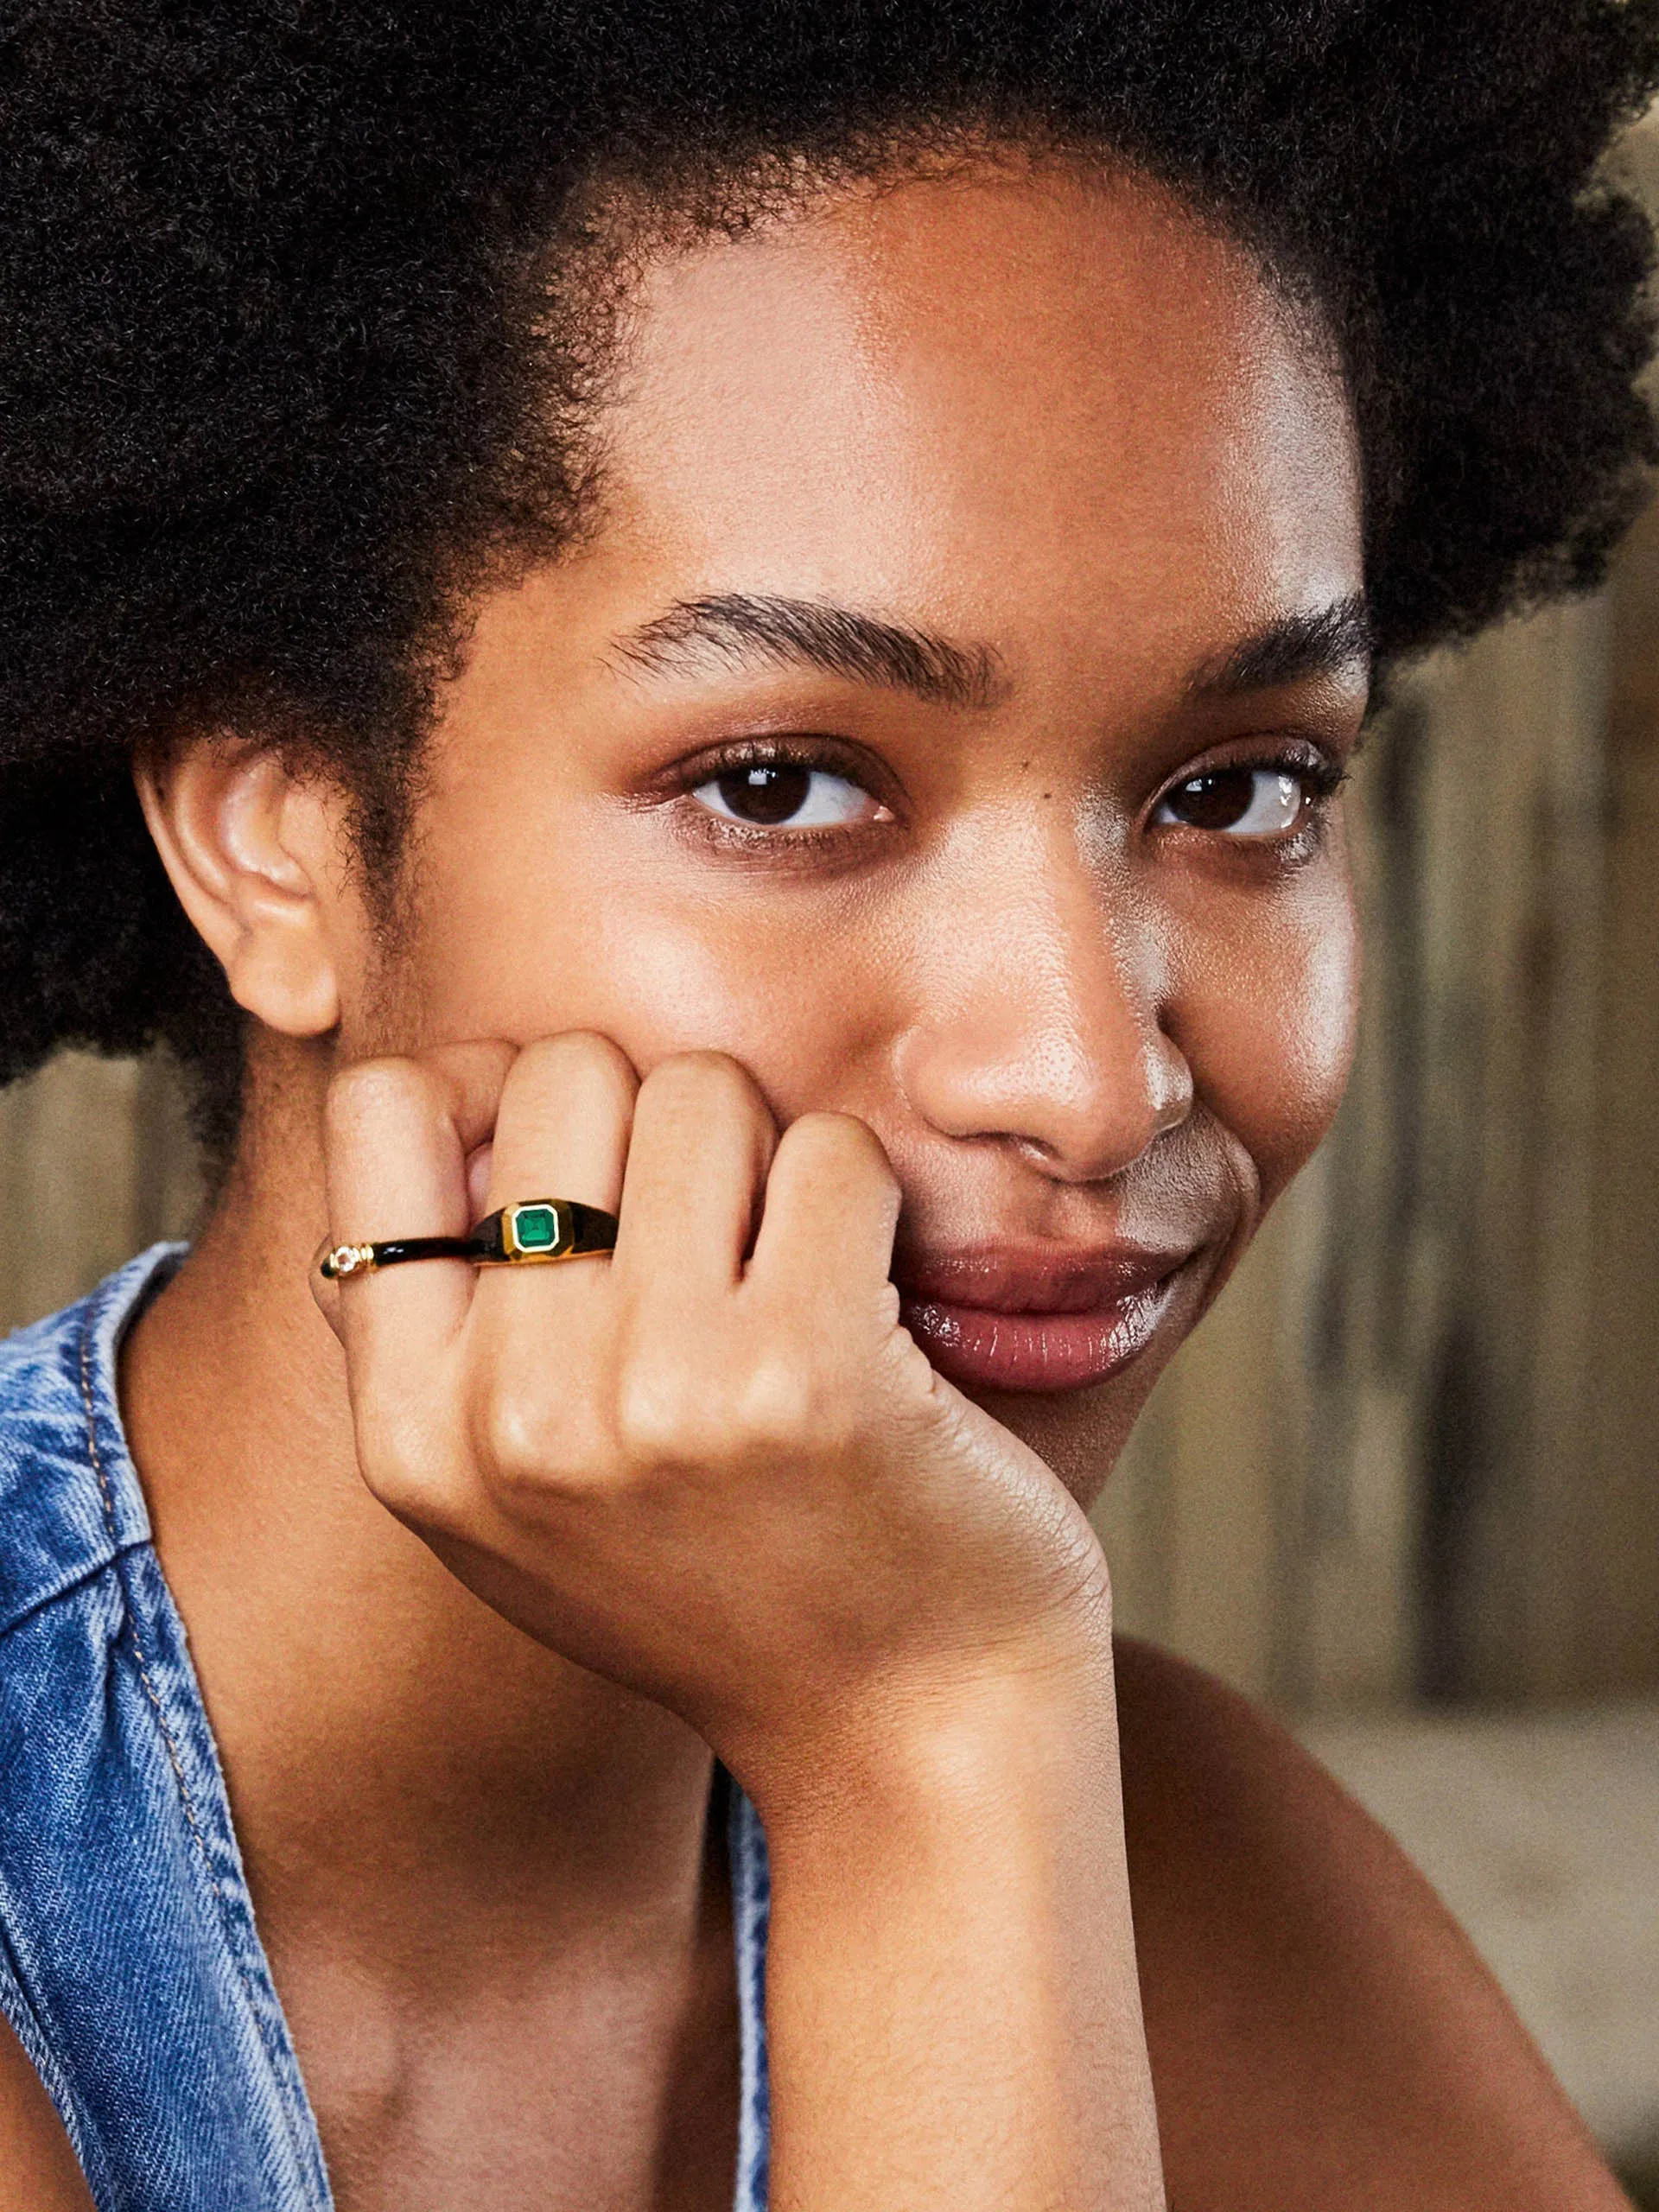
point(290, 353)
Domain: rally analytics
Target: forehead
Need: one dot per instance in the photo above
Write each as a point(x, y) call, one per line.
point(1026, 403)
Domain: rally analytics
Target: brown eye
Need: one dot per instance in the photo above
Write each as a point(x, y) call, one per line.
point(769, 794)
point(1237, 802)
point(779, 794)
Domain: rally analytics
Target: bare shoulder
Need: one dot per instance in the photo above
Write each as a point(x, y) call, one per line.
point(38, 2171)
point(1321, 2032)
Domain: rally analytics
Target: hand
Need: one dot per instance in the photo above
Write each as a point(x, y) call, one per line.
point(734, 1484)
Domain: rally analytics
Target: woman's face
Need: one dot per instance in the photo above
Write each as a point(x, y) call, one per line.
point(943, 720)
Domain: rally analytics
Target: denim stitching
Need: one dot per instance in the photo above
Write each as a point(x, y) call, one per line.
point(174, 1759)
point(279, 2058)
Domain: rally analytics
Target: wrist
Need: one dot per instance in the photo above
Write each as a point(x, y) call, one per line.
point(917, 1750)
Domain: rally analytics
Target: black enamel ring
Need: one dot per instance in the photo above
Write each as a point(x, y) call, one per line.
point(530, 1234)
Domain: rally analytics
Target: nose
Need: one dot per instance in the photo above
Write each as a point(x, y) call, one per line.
point(1043, 1025)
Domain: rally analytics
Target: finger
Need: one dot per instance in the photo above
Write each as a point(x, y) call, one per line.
point(703, 1137)
point(397, 1133)
point(832, 1208)
point(563, 1128)
point(562, 1132)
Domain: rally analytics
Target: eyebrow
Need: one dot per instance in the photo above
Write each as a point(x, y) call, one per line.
point(743, 629)
point(1325, 641)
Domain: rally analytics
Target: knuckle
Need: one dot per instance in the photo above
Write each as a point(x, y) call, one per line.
point(511, 1435)
point(675, 1423)
point(840, 1142)
point(578, 1054)
point(706, 1082)
point(661, 1417)
point(777, 1404)
point(529, 1447)
point(718, 1416)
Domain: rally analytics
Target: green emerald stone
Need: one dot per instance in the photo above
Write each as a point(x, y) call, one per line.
point(536, 1228)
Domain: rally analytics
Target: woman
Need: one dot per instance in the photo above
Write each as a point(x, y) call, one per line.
point(723, 641)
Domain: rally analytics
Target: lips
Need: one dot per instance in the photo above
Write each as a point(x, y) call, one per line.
point(998, 1319)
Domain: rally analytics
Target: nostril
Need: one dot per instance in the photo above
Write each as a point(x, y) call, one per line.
point(1079, 1107)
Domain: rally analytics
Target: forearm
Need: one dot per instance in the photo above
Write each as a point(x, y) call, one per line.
point(953, 2014)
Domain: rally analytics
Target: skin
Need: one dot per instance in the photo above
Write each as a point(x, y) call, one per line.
point(1011, 1008)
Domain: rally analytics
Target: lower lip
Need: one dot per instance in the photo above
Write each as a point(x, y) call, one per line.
point(978, 1348)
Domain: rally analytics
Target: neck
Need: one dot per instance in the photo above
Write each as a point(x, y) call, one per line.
point(399, 1759)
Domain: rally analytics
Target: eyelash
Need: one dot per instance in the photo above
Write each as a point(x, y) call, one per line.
point(755, 837)
point(1320, 776)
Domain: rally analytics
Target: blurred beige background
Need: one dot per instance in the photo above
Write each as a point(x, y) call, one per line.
point(1404, 1486)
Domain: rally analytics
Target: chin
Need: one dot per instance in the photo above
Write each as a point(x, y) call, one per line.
point(1079, 1434)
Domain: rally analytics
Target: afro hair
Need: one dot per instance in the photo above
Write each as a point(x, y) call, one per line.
point(287, 362)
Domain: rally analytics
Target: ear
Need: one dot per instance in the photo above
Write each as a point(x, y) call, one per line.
point(257, 857)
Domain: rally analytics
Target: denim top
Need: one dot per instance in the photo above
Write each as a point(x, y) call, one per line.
point(130, 1967)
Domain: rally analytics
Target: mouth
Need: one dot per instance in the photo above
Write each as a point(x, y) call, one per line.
point(997, 1319)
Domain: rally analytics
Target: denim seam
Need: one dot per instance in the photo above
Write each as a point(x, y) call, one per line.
point(301, 2135)
point(18, 2008)
point(69, 1588)
point(173, 1756)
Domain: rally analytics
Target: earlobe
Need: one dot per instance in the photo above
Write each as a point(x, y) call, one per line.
point(255, 855)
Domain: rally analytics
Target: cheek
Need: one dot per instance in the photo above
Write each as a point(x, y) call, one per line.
point(762, 991)
point(600, 939)
point(1266, 1015)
